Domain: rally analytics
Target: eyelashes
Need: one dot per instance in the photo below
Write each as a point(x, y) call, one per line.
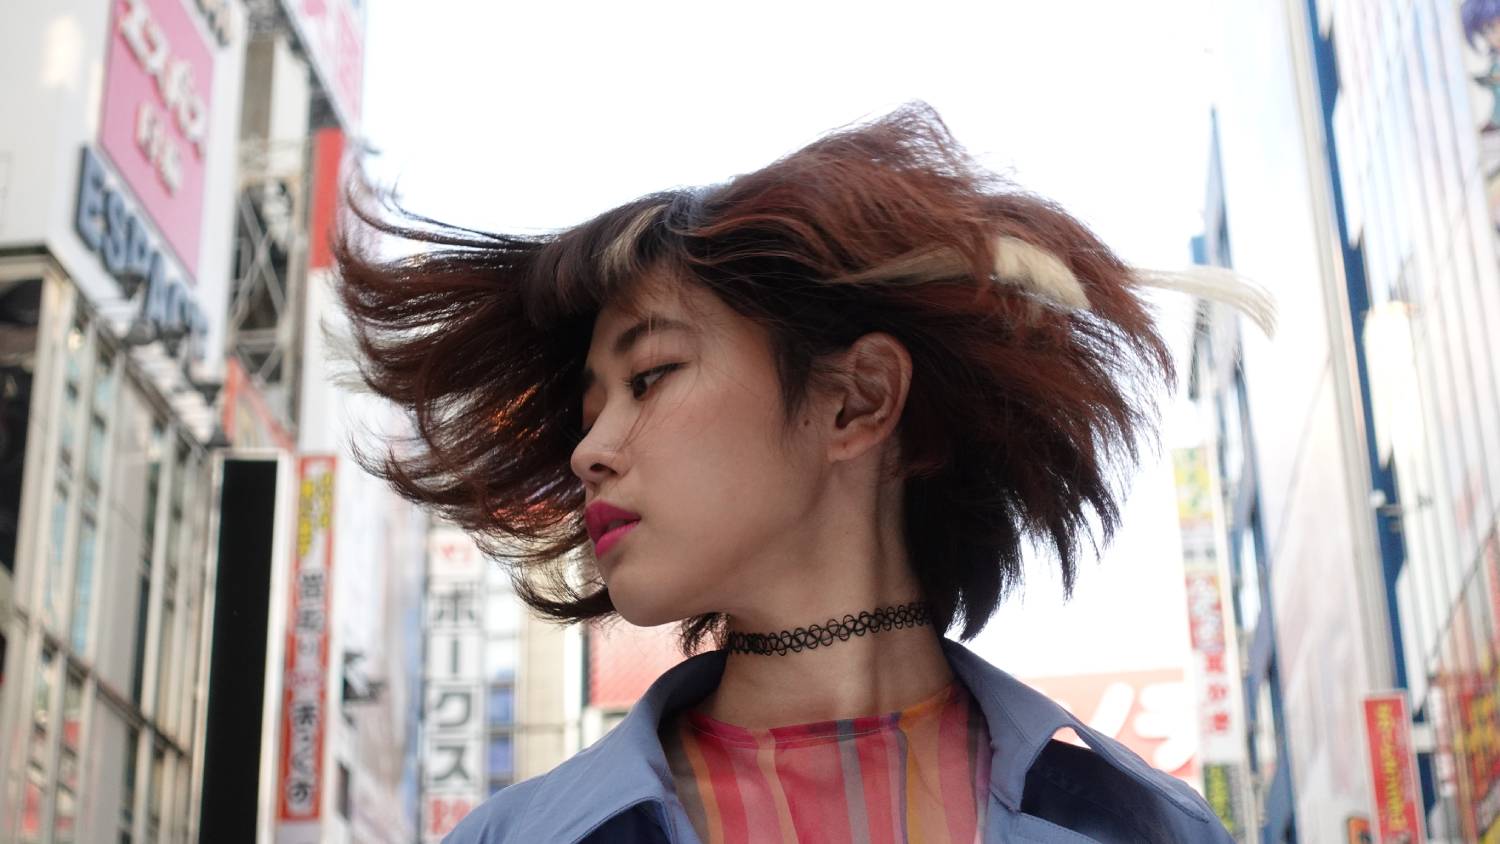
point(640, 384)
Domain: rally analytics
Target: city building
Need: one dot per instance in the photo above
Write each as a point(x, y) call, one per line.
point(1407, 96)
point(1360, 149)
point(1310, 548)
point(191, 568)
point(1256, 777)
point(118, 160)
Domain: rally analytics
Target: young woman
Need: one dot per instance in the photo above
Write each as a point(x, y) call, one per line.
point(814, 414)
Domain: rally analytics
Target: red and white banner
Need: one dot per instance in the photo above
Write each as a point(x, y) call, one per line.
point(304, 707)
point(1393, 770)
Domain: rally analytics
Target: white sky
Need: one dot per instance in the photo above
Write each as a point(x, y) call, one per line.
point(531, 116)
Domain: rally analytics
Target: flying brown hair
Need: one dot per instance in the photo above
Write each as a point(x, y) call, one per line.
point(1035, 362)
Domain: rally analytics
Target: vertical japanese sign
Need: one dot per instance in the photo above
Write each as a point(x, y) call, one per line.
point(156, 115)
point(1222, 746)
point(453, 743)
point(1393, 770)
point(304, 707)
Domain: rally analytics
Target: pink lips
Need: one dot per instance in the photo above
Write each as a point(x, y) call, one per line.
point(607, 525)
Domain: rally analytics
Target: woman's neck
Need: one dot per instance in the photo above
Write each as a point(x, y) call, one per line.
point(846, 556)
point(864, 675)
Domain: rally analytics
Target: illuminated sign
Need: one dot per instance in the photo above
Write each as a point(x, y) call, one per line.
point(453, 775)
point(304, 708)
point(1393, 775)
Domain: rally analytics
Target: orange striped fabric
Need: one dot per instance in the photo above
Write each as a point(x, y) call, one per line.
point(918, 775)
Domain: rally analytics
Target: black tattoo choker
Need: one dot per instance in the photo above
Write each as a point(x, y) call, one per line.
point(914, 614)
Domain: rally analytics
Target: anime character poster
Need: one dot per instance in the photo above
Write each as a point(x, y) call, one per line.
point(1481, 28)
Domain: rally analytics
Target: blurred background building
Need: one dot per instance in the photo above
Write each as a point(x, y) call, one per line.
point(1360, 451)
point(193, 571)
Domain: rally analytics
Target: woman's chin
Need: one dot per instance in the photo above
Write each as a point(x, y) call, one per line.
point(643, 607)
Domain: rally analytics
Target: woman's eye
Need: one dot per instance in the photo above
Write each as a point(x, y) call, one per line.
point(642, 381)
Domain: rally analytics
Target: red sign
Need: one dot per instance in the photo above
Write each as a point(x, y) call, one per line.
point(624, 661)
point(304, 707)
point(1150, 712)
point(1393, 773)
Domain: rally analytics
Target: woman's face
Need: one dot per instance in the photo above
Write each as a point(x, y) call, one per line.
point(685, 429)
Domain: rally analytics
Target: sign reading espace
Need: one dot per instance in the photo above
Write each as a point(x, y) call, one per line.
point(116, 230)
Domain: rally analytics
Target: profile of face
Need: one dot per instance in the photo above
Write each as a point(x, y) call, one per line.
point(686, 429)
point(1491, 33)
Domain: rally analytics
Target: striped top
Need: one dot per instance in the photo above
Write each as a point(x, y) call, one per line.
point(919, 775)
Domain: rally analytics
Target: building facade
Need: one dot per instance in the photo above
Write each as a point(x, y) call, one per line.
point(190, 568)
point(1256, 781)
point(1408, 95)
point(117, 168)
point(1382, 250)
point(1309, 544)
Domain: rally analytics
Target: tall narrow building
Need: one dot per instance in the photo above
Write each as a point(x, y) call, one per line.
point(1360, 152)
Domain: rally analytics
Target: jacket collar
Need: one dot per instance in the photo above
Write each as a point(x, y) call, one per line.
point(628, 767)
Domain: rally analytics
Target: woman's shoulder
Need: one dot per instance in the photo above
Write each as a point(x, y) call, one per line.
point(1085, 791)
point(610, 779)
point(496, 820)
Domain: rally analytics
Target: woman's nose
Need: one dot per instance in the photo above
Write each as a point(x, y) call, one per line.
point(594, 461)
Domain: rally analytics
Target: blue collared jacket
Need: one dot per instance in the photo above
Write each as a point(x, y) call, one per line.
point(1041, 790)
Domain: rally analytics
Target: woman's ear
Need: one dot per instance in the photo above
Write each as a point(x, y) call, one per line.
point(874, 378)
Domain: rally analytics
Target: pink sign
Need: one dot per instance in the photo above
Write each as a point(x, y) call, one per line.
point(333, 34)
point(156, 115)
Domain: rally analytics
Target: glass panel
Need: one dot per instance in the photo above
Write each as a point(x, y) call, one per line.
point(164, 708)
point(155, 796)
point(41, 708)
point(1247, 584)
point(500, 659)
point(83, 585)
point(501, 756)
point(66, 442)
point(142, 607)
point(31, 808)
point(127, 793)
point(57, 535)
point(502, 708)
point(153, 482)
point(72, 727)
point(94, 462)
point(63, 818)
point(104, 385)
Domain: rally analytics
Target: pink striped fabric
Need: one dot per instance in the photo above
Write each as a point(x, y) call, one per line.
point(918, 775)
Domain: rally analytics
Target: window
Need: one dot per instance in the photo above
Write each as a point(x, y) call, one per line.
point(501, 757)
point(157, 795)
point(41, 709)
point(83, 584)
point(127, 790)
point(500, 659)
point(343, 793)
point(1247, 579)
point(502, 708)
point(65, 812)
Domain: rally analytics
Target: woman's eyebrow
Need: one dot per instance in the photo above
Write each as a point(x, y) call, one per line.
point(649, 324)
